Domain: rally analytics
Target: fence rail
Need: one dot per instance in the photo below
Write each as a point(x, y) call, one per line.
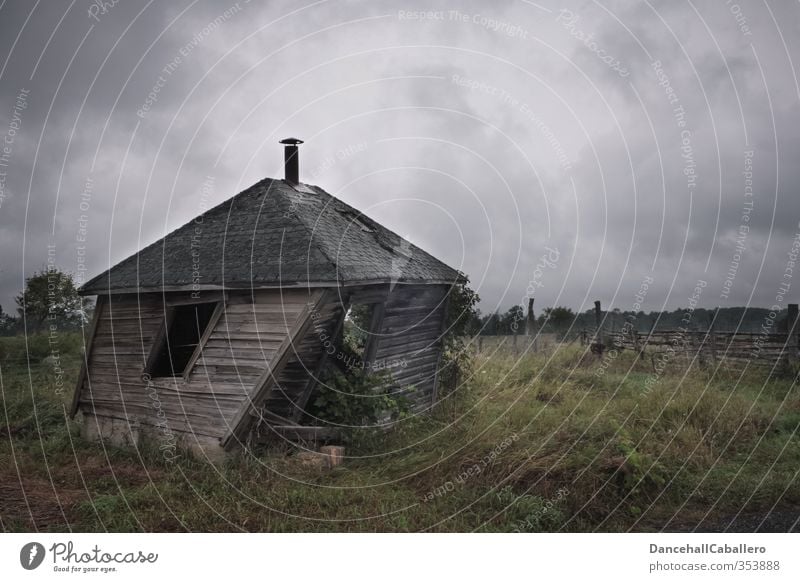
point(779, 345)
point(706, 346)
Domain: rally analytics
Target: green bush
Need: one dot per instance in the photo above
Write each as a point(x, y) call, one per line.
point(356, 399)
point(456, 362)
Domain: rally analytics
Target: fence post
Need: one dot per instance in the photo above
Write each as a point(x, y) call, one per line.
point(530, 325)
point(598, 322)
point(791, 319)
point(530, 321)
point(635, 338)
point(791, 329)
point(712, 335)
point(649, 337)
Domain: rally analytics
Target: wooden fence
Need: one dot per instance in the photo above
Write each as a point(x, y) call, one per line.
point(707, 346)
point(701, 346)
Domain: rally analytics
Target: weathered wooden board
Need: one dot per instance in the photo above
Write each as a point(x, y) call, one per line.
point(236, 350)
point(411, 335)
point(242, 422)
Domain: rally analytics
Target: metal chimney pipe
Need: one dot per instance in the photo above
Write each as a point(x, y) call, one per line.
point(291, 159)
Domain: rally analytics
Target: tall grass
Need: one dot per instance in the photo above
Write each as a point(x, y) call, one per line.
point(539, 443)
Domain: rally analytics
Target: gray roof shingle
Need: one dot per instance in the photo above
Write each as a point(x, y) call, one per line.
point(274, 234)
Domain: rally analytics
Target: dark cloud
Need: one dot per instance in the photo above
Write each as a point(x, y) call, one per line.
point(484, 134)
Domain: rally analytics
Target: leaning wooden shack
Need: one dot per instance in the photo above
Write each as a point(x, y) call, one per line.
point(216, 334)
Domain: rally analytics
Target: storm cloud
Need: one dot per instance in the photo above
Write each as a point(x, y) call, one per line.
point(634, 139)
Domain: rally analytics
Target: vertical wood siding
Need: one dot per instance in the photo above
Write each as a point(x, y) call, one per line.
point(410, 334)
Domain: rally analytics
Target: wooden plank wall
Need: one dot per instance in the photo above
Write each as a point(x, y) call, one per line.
point(410, 334)
point(124, 334)
point(295, 382)
point(237, 352)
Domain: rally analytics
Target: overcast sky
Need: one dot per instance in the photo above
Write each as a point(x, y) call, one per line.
point(611, 138)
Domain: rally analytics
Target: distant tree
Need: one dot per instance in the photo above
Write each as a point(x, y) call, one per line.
point(462, 315)
point(8, 324)
point(512, 321)
point(557, 318)
point(473, 323)
point(50, 295)
point(490, 325)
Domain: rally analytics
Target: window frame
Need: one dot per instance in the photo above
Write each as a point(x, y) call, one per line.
point(161, 338)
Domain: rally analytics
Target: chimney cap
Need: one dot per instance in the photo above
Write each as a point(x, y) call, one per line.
point(291, 141)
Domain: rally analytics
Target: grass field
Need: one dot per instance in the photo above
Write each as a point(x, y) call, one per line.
point(543, 443)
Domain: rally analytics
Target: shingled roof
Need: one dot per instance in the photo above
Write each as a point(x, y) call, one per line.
point(274, 233)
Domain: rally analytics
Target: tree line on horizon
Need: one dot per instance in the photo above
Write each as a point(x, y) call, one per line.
point(563, 321)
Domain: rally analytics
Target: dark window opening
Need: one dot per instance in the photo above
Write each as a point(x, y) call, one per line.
point(187, 323)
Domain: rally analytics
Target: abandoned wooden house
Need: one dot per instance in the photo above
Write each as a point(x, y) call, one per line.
point(216, 335)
